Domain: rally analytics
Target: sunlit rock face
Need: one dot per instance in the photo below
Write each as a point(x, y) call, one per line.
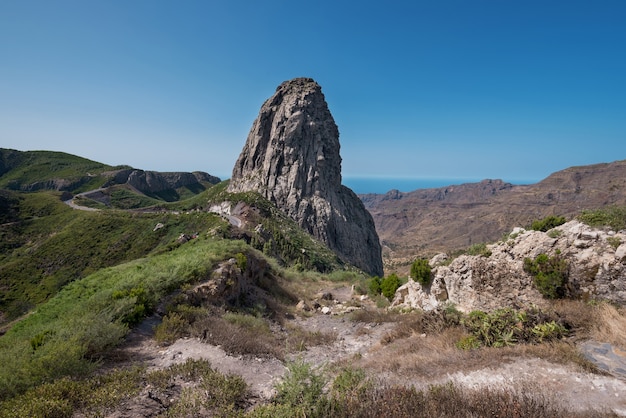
point(292, 158)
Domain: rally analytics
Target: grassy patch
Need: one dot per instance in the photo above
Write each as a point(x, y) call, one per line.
point(612, 216)
point(194, 388)
point(67, 335)
point(52, 245)
point(37, 169)
point(547, 223)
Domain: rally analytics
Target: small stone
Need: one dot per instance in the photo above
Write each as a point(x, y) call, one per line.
point(302, 306)
point(326, 310)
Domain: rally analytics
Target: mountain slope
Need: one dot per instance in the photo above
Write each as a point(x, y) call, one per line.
point(427, 221)
point(48, 170)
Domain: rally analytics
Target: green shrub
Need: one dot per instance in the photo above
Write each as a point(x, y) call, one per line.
point(469, 342)
point(612, 216)
point(173, 327)
point(549, 331)
point(374, 286)
point(302, 391)
point(547, 223)
point(242, 261)
point(550, 274)
point(420, 272)
point(505, 327)
point(349, 384)
point(64, 397)
point(389, 285)
point(479, 249)
point(250, 322)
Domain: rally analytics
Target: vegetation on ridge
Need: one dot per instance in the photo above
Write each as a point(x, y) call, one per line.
point(550, 274)
point(49, 244)
point(611, 216)
point(20, 169)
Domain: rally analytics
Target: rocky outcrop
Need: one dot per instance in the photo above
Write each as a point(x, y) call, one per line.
point(596, 260)
point(232, 282)
point(291, 157)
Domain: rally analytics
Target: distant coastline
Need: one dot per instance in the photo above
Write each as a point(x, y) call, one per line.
point(381, 185)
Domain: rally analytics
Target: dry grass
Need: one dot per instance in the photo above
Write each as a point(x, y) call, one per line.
point(425, 344)
point(299, 339)
point(428, 356)
point(377, 316)
point(609, 325)
point(601, 322)
point(453, 401)
point(239, 337)
point(577, 313)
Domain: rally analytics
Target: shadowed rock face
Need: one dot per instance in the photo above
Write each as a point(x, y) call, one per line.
point(292, 158)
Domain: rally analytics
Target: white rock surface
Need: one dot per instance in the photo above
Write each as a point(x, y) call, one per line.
point(597, 270)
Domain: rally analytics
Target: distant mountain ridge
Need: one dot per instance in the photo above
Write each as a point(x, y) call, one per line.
point(427, 221)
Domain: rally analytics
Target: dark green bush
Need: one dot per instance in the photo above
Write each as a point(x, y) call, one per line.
point(242, 261)
point(171, 328)
point(547, 223)
point(550, 274)
point(420, 272)
point(389, 285)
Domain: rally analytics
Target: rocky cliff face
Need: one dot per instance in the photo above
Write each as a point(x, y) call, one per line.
point(292, 158)
point(156, 182)
point(596, 260)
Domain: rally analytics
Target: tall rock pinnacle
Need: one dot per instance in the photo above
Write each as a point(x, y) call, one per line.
point(292, 158)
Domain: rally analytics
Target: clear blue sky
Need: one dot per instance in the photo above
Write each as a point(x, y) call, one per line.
point(440, 88)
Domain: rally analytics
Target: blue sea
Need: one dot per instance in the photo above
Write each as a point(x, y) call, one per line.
point(381, 185)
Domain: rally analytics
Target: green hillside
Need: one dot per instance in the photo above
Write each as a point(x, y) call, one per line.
point(45, 244)
point(37, 170)
point(48, 244)
point(73, 282)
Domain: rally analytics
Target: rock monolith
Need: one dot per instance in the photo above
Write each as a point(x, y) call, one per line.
point(291, 157)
